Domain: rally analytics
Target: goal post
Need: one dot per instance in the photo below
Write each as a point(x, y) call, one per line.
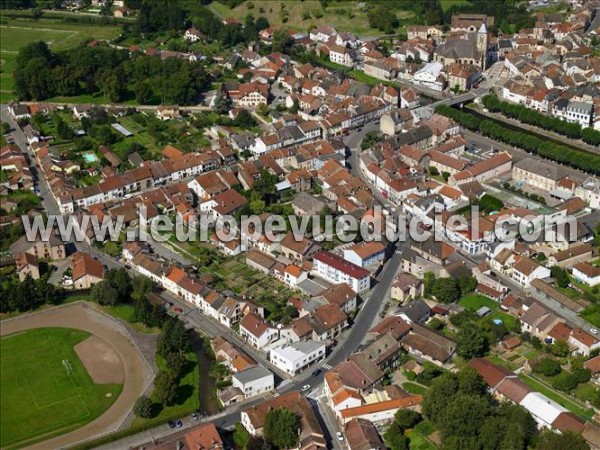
point(67, 366)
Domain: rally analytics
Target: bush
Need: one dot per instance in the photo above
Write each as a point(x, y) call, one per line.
point(143, 407)
point(548, 367)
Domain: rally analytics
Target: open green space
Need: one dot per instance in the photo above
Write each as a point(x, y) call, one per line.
point(447, 4)
point(46, 390)
point(414, 388)
point(473, 302)
point(418, 441)
point(510, 322)
point(187, 395)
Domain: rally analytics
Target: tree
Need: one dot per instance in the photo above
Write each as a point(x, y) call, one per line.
point(120, 281)
point(551, 440)
point(281, 41)
point(433, 171)
point(394, 437)
point(222, 103)
point(282, 428)
point(470, 382)
point(173, 338)
point(464, 415)
point(407, 418)
point(560, 276)
point(176, 362)
point(165, 388)
point(445, 290)
point(546, 366)
point(143, 407)
point(470, 341)
point(560, 348)
point(467, 285)
point(565, 382)
point(141, 286)
point(104, 294)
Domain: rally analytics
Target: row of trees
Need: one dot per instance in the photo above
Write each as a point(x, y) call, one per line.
point(26, 295)
point(539, 119)
point(580, 160)
point(173, 344)
point(42, 74)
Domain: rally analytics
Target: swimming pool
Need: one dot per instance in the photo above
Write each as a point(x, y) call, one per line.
point(90, 158)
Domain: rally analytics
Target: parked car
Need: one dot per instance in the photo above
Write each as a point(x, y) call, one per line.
point(194, 416)
point(172, 424)
point(306, 387)
point(340, 436)
point(593, 331)
point(316, 372)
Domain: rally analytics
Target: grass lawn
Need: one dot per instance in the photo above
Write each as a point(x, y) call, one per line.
point(447, 4)
point(475, 301)
point(40, 397)
point(576, 409)
point(187, 395)
point(510, 322)
point(418, 441)
point(414, 388)
point(587, 392)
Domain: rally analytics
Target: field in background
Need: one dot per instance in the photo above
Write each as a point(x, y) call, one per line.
point(46, 390)
point(59, 35)
point(304, 15)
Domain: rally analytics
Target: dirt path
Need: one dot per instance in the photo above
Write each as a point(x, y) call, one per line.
point(138, 374)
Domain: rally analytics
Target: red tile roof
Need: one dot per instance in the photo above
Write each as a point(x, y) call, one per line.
point(341, 264)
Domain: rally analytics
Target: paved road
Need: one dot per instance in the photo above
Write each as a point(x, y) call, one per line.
point(365, 319)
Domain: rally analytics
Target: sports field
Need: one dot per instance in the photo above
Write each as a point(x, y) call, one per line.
point(59, 35)
point(46, 389)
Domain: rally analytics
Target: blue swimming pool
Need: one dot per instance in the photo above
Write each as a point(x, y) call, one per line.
point(90, 157)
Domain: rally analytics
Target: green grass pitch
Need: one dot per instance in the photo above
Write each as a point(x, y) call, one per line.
point(45, 389)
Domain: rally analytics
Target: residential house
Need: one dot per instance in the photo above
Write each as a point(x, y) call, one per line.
point(27, 265)
point(586, 273)
point(311, 435)
point(416, 311)
point(406, 287)
point(86, 271)
point(337, 270)
point(257, 332)
point(428, 344)
point(253, 381)
point(365, 254)
point(296, 357)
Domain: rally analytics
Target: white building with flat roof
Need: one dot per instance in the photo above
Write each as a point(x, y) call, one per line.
point(294, 358)
point(253, 381)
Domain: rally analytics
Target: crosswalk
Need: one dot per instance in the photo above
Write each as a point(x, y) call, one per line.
point(284, 383)
point(287, 382)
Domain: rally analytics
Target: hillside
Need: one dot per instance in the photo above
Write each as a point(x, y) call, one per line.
point(304, 15)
